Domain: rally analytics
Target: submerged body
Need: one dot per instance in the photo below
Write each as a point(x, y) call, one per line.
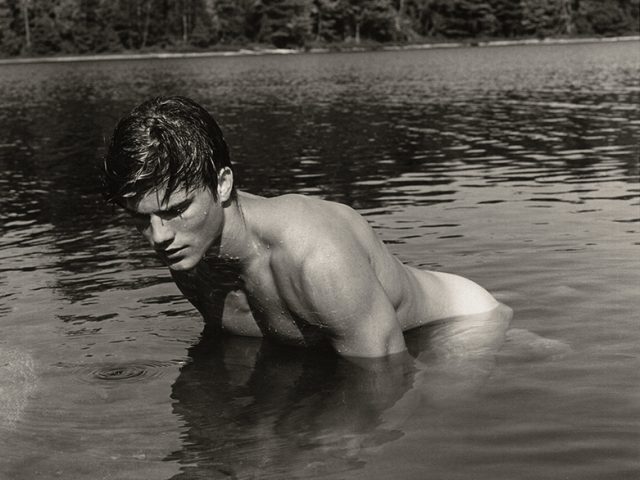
point(291, 268)
point(304, 270)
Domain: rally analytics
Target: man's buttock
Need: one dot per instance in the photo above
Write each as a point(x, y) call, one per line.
point(443, 295)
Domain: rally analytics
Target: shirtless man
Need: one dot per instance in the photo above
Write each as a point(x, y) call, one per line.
point(291, 268)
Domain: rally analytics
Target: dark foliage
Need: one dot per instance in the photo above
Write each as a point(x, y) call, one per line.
point(42, 27)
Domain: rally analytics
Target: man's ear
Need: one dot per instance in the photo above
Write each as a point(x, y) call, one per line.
point(225, 184)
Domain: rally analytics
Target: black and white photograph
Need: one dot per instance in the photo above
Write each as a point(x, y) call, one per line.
point(319, 239)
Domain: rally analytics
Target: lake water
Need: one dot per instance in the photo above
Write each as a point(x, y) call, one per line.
point(516, 167)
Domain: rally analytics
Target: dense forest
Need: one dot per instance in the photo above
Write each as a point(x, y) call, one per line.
point(44, 27)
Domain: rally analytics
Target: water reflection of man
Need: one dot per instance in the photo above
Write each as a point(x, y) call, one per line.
point(294, 269)
point(254, 409)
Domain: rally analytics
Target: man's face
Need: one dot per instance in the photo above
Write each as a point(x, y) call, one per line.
point(181, 229)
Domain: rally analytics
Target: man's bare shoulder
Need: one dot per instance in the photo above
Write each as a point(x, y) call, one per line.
point(297, 225)
point(303, 204)
point(321, 265)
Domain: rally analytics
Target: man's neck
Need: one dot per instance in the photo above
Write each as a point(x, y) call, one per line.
point(238, 242)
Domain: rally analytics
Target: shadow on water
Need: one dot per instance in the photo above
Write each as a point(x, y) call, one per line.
point(252, 409)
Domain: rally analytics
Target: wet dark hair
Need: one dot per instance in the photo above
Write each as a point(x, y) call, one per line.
point(166, 142)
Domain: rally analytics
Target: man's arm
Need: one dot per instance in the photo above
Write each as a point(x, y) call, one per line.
point(337, 290)
point(222, 306)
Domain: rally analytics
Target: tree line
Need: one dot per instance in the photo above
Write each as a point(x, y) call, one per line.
point(43, 27)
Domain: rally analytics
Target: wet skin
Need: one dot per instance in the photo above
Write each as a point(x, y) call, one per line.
point(296, 269)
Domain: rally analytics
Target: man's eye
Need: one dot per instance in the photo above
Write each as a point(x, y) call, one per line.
point(174, 212)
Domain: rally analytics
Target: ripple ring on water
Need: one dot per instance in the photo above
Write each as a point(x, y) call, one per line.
point(120, 372)
point(134, 371)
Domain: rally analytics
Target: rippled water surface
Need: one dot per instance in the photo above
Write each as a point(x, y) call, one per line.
point(515, 166)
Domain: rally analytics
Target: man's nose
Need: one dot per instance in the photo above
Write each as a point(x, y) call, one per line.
point(161, 233)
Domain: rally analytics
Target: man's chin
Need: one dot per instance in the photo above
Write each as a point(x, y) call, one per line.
point(182, 265)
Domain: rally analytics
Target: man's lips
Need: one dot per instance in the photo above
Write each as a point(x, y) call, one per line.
point(170, 253)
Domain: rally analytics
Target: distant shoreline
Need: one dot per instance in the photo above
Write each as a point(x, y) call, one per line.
point(287, 51)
